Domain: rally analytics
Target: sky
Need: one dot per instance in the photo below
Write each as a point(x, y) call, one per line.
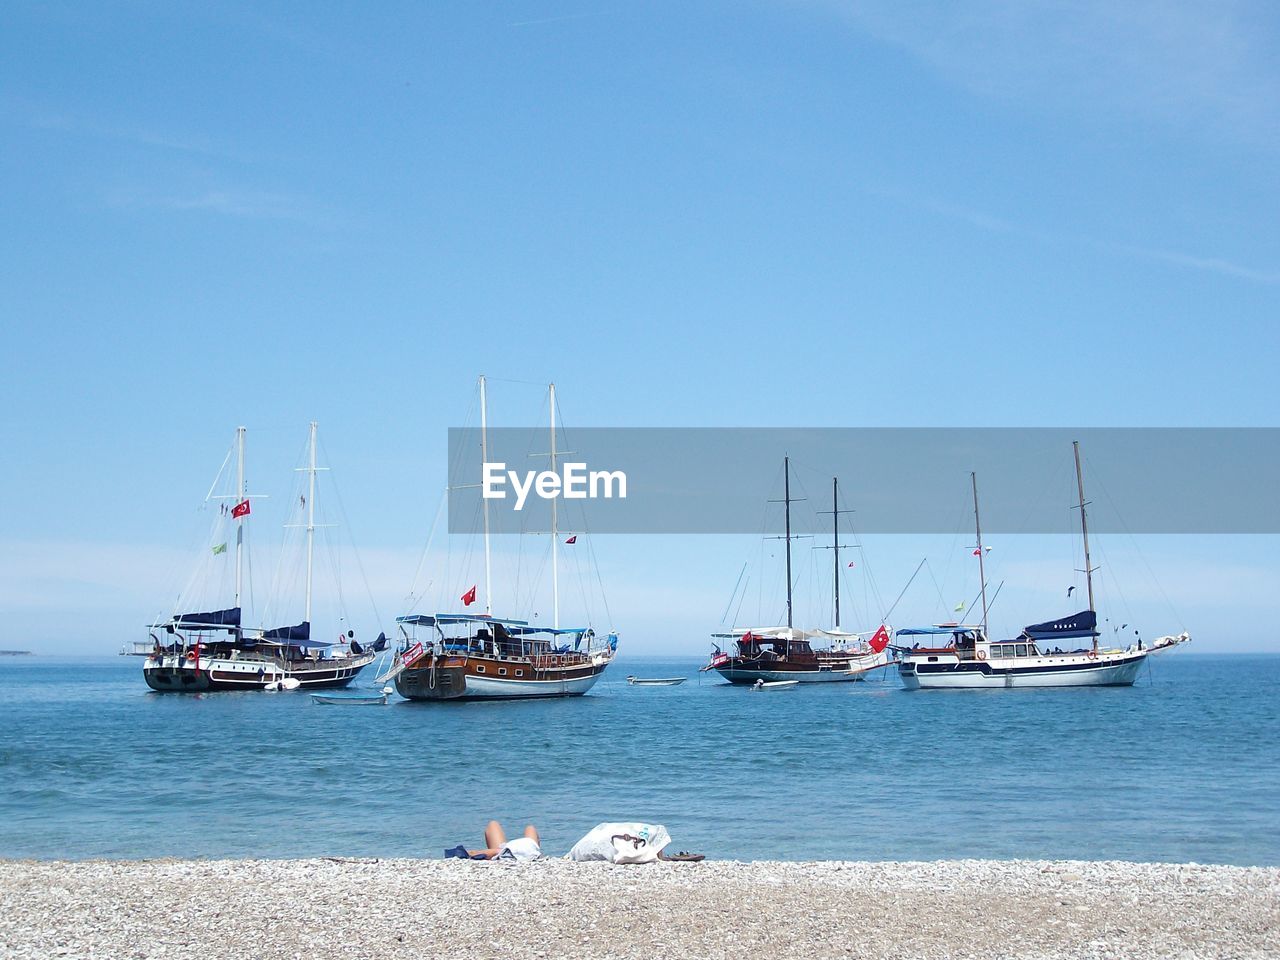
point(755, 213)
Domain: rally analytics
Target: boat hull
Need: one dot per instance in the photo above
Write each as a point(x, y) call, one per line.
point(479, 679)
point(172, 674)
point(742, 671)
point(950, 674)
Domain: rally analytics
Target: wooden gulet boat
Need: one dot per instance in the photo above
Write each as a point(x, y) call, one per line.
point(783, 653)
point(462, 656)
point(213, 651)
point(971, 660)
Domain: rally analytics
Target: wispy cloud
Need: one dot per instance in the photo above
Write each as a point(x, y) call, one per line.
point(1207, 68)
point(235, 202)
point(992, 223)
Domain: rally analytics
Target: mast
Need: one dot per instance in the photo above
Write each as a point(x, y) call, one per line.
point(311, 514)
point(835, 538)
point(982, 571)
point(1084, 531)
point(484, 458)
point(786, 500)
point(241, 491)
point(555, 535)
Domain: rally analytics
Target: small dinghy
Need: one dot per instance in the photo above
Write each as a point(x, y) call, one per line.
point(774, 684)
point(351, 699)
point(656, 681)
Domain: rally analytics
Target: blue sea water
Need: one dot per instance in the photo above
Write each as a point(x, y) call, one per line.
point(1184, 766)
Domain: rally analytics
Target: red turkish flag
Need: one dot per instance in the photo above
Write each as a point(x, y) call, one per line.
point(573, 539)
point(241, 509)
point(469, 597)
point(880, 639)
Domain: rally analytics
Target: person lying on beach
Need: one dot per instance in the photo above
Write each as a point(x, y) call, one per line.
point(628, 843)
point(498, 847)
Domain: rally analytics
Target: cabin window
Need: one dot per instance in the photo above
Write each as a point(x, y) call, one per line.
point(480, 669)
point(502, 671)
point(1022, 649)
point(997, 653)
point(519, 673)
point(933, 659)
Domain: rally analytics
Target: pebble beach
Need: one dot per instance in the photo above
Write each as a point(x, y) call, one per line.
point(554, 908)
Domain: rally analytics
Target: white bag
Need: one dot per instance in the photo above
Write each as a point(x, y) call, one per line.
point(622, 843)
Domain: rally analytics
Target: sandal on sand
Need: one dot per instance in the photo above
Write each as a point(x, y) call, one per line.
point(684, 857)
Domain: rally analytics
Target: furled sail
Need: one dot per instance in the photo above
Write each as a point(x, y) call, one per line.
point(212, 618)
point(1082, 624)
point(301, 631)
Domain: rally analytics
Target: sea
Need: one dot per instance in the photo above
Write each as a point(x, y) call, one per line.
point(1184, 766)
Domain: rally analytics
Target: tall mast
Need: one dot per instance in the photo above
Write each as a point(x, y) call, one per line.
point(786, 500)
point(982, 570)
point(311, 514)
point(241, 490)
point(484, 458)
point(555, 535)
point(835, 538)
point(1084, 531)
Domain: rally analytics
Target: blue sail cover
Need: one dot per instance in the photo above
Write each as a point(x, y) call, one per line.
point(300, 632)
point(1082, 624)
point(214, 618)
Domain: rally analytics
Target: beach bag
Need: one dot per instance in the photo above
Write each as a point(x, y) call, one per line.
point(622, 843)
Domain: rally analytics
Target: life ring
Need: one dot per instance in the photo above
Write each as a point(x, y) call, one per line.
point(1093, 654)
point(982, 654)
point(191, 655)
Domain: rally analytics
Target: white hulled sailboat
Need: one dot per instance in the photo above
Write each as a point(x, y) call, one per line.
point(970, 659)
point(212, 650)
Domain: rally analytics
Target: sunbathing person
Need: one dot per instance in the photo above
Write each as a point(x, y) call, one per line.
point(498, 847)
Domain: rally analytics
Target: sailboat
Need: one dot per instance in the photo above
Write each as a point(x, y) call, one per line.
point(970, 659)
point(784, 653)
point(213, 650)
point(466, 656)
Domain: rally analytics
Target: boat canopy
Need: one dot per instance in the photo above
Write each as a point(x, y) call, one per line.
point(517, 631)
point(301, 631)
point(427, 620)
point(936, 629)
point(212, 618)
point(1082, 624)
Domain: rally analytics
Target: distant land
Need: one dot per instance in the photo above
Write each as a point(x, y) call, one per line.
point(16, 653)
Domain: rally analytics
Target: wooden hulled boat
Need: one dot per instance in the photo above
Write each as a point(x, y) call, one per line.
point(477, 657)
point(785, 653)
point(465, 656)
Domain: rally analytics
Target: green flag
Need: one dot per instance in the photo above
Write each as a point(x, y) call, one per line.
point(220, 548)
point(959, 606)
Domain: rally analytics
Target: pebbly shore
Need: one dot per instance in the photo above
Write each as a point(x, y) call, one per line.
point(210, 909)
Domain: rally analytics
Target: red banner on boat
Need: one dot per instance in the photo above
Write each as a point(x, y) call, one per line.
point(718, 659)
point(241, 509)
point(412, 655)
point(880, 639)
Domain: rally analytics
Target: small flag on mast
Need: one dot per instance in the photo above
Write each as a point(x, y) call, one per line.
point(573, 539)
point(220, 548)
point(241, 509)
point(469, 597)
point(960, 607)
point(852, 564)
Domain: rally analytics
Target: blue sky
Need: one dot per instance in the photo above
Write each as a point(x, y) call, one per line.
point(750, 213)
